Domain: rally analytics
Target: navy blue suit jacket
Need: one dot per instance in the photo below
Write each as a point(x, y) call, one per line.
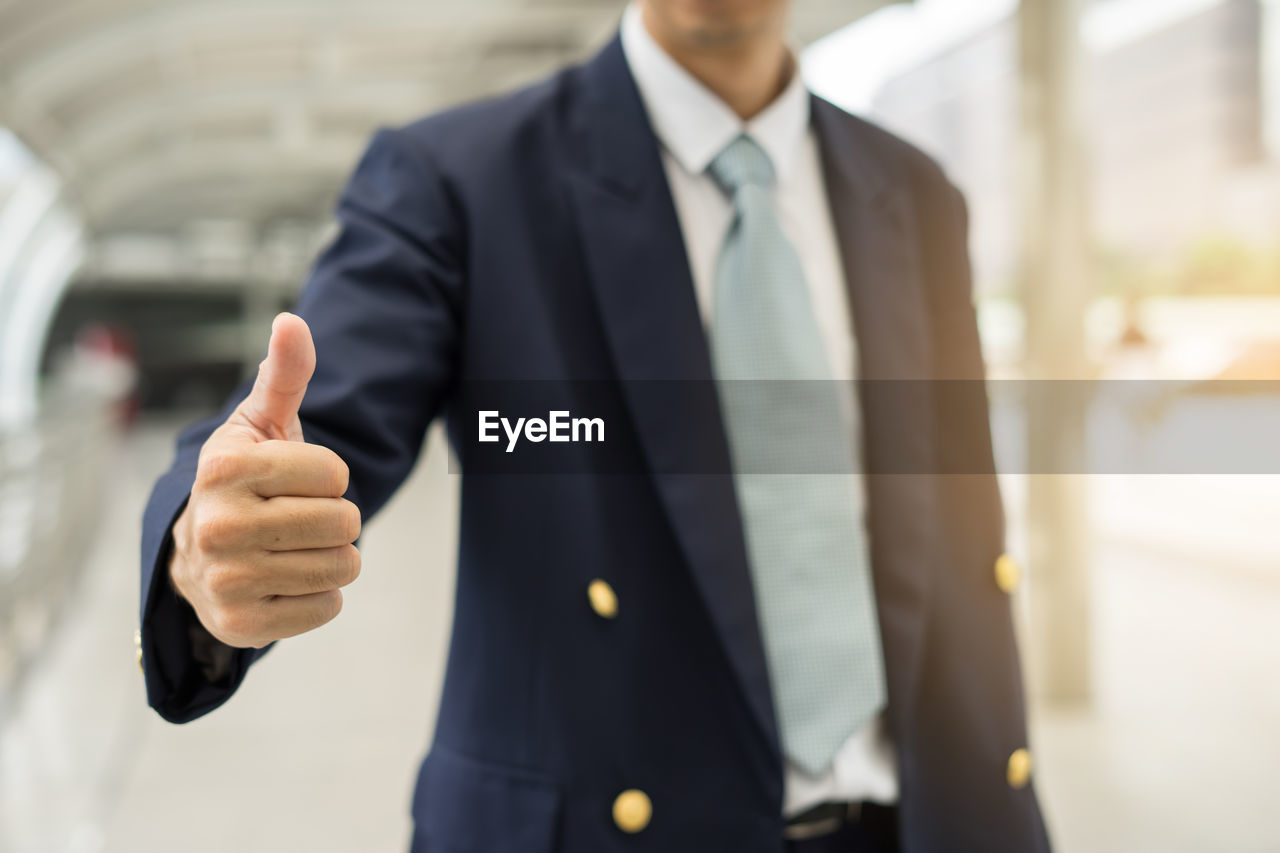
point(534, 237)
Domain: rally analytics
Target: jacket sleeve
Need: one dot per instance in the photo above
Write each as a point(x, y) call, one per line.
point(384, 306)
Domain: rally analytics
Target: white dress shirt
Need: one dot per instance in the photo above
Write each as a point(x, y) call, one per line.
point(693, 125)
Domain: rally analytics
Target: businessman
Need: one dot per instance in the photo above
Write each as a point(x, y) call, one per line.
point(686, 648)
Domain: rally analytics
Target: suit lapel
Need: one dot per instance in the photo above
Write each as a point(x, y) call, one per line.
point(636, 261)
point(895, 363)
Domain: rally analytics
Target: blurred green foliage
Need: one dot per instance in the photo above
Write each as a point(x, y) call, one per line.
point(1217, 265)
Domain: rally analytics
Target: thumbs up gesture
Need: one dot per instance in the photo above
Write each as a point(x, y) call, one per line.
point(263, 547)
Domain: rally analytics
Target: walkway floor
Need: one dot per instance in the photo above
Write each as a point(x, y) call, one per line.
point(318, 750)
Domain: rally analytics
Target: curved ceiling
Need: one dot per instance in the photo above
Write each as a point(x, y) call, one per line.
point(160, 115)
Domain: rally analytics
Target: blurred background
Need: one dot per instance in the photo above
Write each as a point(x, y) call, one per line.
point(168, 169)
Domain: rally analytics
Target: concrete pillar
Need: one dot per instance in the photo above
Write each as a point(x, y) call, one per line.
point(1055, 285)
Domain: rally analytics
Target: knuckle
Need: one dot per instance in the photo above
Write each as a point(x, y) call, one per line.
point(183, 532)
point(348, 568)
point(351, 521)
point(339, 473)
point(221, 467)
point(328, 606)
point(237, 624)
point(221, 581)
point(213, 530)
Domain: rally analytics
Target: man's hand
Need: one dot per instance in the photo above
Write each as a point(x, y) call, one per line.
point(264, 544)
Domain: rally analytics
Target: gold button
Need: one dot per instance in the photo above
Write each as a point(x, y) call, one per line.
point(603, 599)
point(1008, 573)
point(632, 810)
point(1019, 770)
point(137, 646)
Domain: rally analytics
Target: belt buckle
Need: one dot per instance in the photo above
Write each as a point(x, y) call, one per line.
point(825, 825)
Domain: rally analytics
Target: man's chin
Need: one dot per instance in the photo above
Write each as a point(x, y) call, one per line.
point(722, 32)
point(719, 36)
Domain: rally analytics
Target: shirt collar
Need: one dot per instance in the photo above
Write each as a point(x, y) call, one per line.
point(692, 122)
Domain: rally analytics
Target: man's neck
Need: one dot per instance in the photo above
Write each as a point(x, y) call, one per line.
point(747, 75)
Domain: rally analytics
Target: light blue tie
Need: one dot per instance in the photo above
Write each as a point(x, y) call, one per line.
point(792, 448)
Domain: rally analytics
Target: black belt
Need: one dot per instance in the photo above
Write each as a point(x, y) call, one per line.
point(828, 818)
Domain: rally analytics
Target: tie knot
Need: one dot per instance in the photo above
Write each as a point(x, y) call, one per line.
point(741, 163)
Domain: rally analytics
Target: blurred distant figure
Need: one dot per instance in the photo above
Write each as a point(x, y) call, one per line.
point(102, 365)
point(744, 660)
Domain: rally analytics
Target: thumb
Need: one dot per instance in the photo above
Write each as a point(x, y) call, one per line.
point(272, 405)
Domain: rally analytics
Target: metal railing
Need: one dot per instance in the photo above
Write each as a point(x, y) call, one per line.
point(51, 496)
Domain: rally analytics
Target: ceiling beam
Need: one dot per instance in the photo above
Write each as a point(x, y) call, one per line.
point(152, 106)
point(226, 166)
